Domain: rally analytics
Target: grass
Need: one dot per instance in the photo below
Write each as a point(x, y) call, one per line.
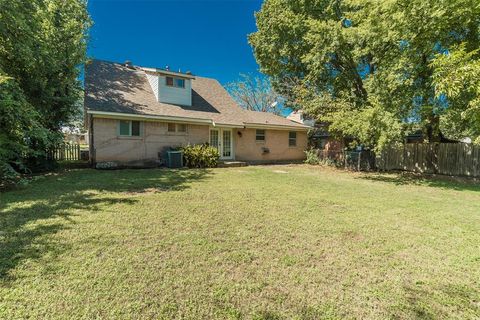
point(255, 243)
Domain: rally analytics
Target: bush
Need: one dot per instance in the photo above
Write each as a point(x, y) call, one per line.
point(312, 157)
point(200, 156)
point(23, 139)
point(8, 176)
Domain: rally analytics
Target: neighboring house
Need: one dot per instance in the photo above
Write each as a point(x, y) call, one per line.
point(134, 114)
point(320, 138)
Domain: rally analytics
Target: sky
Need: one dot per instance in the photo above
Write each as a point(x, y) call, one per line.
point(206, 37)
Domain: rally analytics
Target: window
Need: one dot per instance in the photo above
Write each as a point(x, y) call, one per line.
point(124, 128)
point(135, 128)
point(260, 135)
point(292, 139)
point(180, 83)
point(175, 82)
point(177, 127)
point(181, 128)
point(129, 128)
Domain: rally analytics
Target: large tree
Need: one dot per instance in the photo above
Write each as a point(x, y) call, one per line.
point(42, 47)
point(364, 66)
point(457, 77)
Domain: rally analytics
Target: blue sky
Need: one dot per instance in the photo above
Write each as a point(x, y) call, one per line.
point(207, 37)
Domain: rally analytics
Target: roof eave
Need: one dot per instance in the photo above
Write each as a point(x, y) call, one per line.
point(118, 115)
point(169, 73)
point(275, 126)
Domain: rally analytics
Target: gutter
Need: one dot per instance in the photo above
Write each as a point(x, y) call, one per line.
point(275, 126)
point(128, 116)
point(222, 125)
point(118, 115)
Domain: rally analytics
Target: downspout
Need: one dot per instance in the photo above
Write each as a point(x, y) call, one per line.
point(91, 142)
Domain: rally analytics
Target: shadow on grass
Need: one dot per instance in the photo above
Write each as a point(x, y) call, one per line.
point(420, 305)
point(29, 217)
point(437, 181)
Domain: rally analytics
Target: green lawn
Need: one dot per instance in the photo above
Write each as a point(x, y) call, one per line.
point(268, 242)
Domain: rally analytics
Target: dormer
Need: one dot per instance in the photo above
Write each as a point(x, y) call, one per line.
point(171, 87)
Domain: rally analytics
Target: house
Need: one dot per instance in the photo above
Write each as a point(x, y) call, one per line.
point(320, 138)
point(133, 114)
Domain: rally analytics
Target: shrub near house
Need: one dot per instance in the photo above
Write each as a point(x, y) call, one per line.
point(200, 156)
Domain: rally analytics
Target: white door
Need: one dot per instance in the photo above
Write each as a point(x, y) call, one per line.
point(227, 152)
point(222, 139)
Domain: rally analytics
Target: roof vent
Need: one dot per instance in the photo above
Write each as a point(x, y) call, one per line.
point(188, 72)
point(129, 64)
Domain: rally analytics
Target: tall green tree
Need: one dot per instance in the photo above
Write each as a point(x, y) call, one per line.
point(364, 66)
point(42, 47)
point(457, 76)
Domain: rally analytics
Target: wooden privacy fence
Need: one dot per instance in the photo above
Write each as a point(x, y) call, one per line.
point(67, 151)
point(455, 159)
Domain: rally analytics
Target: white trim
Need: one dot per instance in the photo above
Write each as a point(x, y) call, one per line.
point(174, 85)
point(130, 127)
point(220, 141)
point(222, 125)
point(264, 136)
point(118, 115)
point(290, 139)
point(169, 73)
point(246, 125)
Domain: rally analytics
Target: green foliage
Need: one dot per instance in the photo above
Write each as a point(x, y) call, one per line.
point(8, 176)
point(457, 76)
point(21, 136)
point(367, 60)
point(312, 157)
point(45, 57)
point(42, 45)
point(372, 126)
point(200, 156)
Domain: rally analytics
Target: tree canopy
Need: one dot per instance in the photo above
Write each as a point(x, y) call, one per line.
point(367, 66)
point(42, 47)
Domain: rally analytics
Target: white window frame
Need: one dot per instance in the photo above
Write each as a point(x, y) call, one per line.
point(220, 145)
point(264, 135)
point(292, 139)
point(174, 82)
point(140, 129)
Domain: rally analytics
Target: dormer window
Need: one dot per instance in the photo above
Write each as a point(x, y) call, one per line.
point(175, 82)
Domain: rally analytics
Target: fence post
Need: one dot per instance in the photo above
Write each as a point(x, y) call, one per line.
point(359, 160)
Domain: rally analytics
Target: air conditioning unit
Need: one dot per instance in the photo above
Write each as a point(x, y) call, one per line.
point(175, 159)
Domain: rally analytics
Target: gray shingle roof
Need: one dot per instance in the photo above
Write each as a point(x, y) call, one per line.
point(113, 87)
